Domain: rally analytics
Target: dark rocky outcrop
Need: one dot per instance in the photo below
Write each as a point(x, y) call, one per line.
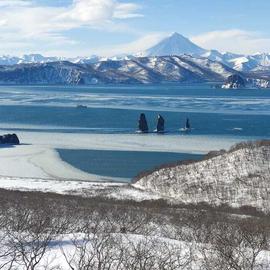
point(234, 81)
point(160, 124)
point(143, 126)
point(9, 139)
point(188, 126)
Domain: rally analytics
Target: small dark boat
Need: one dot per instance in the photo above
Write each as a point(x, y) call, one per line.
point(81, 107)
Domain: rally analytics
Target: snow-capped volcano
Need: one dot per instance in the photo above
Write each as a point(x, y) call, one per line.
point(175, 44)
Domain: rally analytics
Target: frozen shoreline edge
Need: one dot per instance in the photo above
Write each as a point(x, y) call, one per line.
point(36, 165)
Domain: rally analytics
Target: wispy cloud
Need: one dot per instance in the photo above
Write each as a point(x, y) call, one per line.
point(126, 11)
point(24, 22)
point(96, 12)
point(26, 26)
point(15, 3)
point(137, 46)
point(233, 40)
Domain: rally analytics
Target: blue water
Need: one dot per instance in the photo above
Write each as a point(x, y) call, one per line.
point(105, 120)
point(115, 110)
point(119, 164)
point(197, 98)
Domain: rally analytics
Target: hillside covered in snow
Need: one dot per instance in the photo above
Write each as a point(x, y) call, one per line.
point(239, 177)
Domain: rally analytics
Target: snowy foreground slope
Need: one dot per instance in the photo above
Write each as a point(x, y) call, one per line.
point(102, 230)
point(239, 177)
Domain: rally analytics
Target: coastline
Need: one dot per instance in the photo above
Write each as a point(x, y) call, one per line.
point(33, 161)
point(36, 165)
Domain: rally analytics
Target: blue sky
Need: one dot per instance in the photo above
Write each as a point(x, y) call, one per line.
point(110, 27)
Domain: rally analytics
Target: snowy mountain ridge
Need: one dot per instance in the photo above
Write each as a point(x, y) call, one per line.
point(183, 68)
point(6, 60)
point(175, 44)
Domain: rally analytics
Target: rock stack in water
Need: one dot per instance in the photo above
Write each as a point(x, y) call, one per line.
point(9, 139)
point(187, 124)
point(143, 127)
point(160, 124)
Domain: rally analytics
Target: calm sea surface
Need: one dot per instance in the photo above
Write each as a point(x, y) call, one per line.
point(115, 110)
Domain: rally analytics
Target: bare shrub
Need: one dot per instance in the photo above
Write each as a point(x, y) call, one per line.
point(27, 235)
point(236, 246)
point(108, 234)
point(92, 251)
point(118, 252)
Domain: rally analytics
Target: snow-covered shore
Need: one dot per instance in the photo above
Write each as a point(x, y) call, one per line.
point(109, 190)
point(196, 144)
point(36, 165)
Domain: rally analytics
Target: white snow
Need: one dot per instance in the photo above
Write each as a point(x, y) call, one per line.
point(238, 178)
point(54, 257)
point(175, 44)
point(40, 162)
point(35, 165)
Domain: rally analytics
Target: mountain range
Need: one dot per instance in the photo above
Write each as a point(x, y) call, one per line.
point(175, 44)
point(153, 69)
point(7, 60)
point(174, 59)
